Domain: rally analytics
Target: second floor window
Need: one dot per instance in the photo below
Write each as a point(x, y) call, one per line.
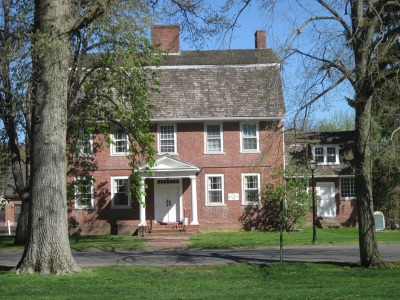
point(249, 137)
point(213, 138)
point(84, 192)
point(120, 144)
point(326, 155)
point(84, 145)
point(167, 139)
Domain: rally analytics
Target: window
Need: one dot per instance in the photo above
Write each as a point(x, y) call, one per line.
point(84, 192)
point(347, 188)
point(120, 143)
point(251, 188)
point(326, 155)
point(215, 189)
point(17, 212)
point(214, 138)
point(167, 139)
point(249, 137)
point(84, 145)
point(120, 192)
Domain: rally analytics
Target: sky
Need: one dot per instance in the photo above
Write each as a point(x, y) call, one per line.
point(278, 30)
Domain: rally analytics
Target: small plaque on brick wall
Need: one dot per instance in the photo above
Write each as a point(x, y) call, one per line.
point(233, 196)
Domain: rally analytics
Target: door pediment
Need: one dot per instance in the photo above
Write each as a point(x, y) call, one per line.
point(168, 166)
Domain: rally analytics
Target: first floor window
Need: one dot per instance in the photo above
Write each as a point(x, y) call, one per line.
point(215, 189)
point(347, 188)
point(251, 188)
point(84, 192)
point(120, 192)
point(17, 212)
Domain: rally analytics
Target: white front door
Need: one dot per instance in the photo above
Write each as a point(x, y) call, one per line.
point(167, 194)
point(327, 206)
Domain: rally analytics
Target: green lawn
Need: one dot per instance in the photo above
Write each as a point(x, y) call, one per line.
point(240, 239)
point(225, 239)
point(236, 281)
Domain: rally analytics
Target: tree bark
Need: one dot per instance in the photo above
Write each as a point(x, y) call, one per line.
point(47, 249)
point(369, 253)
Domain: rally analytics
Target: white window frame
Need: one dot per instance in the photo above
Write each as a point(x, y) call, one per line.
point(244, 188)
point(113, 192)
point(352, 188)
point(81, 141)
point(242, 137)
point(113, 145)
point(207, 138)
point(325, 154)
point(159, 139)
point(76, 192)
point(208, 203)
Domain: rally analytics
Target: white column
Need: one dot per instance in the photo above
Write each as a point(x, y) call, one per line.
point(195, 220)
point(142, 205)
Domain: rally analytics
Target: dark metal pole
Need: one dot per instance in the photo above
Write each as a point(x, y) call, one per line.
point(314, 239)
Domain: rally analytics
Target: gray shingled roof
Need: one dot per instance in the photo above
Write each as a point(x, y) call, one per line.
point(219, 84)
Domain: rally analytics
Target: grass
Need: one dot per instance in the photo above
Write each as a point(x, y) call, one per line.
point(243, 239)
point(102, 242)
point(236, 281)
point(225, 239)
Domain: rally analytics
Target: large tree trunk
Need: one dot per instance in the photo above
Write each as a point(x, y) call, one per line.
point(47, 249)
point(369, 253)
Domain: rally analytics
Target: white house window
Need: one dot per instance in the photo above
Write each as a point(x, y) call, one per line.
point(84, 144)
point(249, 137)
point(215, 189)
point(120, 143)
point(347, 188)
point(120, 192)
point(214, 138)
point(326, 155)
point(167, 139)
point(251, 188)
point(84, 192)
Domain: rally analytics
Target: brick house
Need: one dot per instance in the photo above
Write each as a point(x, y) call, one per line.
point(218, 131)
point(334, 176)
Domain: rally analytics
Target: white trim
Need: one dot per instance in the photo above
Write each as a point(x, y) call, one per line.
point(257, 137)
point(221, 138)
point(79, 147)
point(222, 189)
point(159, 138)
point(244, 202)
point(179, 200)
point(91, 206)
point(113, 206)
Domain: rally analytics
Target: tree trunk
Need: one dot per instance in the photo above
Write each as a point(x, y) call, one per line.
point(22, 225)
point(47, 249)
point(369, 253)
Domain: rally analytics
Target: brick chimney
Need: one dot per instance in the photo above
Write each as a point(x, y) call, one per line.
point(166, 37)
point(260, 39)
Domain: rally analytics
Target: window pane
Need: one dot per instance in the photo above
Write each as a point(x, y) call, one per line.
point(331, 154)
point(213, 138)
point(121, 142)
point(84, 143)
point(249, 136)
point(84, 190)
point(214, 186)
point(347, 188)
point(251, 192)
point(167, 138)
point(319, 154)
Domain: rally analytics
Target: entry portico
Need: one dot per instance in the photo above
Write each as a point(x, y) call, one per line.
point(167, 173)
